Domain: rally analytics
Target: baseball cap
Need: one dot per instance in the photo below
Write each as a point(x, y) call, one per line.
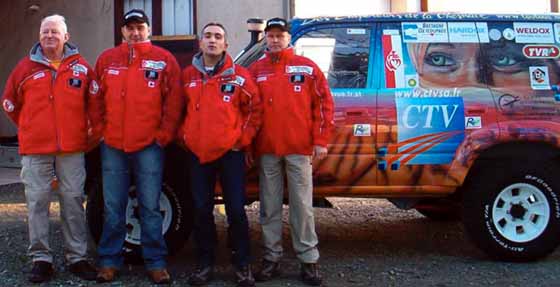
point(277, 23)
point(135, 15)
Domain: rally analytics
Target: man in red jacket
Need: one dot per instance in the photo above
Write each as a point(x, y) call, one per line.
point(53, 98)
point(297, 123)
point(223, 116)
point(140, 83)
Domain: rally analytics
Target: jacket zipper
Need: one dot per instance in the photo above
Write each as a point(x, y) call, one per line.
point(51, 98)
point(123, 95)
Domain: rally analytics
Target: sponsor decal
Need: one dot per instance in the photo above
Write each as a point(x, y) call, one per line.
point(355, 31)
point(429, 130)
point(227, 99)
point(261, 79)
point(425, 32)
point(151, 84)
point(557, 32)
point(539, 78)
point(347, 94)
point(495, 34)
point(394, 68)
point(238, 81)
point(8, 106)
point(113, 72)
point(473, 122)
point(297, 78)
point(39, 75)
point(93, 87)
point(297, 88)
point(228, 88)
point(76, 83)
point(75, 74)
point(428, 93)
point(412, 81)
point(154, 65)
point(151, 74)
point(192, 84)
point(509, 34)
point(299, 69)
point(541, 51)
point(79, 68)
point(467, 32)
point(527, 32)
point(508, 102)
point(362, 130)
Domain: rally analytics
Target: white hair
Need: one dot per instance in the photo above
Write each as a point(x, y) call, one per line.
point(57, 19)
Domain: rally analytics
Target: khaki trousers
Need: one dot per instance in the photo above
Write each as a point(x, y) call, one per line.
point(298, 171)
point(37, 174)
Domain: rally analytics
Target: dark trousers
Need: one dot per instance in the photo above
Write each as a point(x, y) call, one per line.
point(231, 169)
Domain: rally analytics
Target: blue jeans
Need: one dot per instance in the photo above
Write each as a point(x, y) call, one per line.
point(231, 168)
point(147, 165)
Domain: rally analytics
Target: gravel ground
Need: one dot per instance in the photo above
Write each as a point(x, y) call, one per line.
point(363, 242)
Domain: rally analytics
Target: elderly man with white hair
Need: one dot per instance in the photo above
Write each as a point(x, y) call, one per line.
point(52, 97)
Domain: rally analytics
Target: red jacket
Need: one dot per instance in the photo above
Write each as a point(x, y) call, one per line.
point(222, 109)
point(142, 92)
point(53, 108)
point(298, 105)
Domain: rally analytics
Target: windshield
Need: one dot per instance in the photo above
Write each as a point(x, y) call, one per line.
point(246, 58)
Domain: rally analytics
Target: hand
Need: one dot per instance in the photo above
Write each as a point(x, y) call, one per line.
point(319, 152)
point(249, 159)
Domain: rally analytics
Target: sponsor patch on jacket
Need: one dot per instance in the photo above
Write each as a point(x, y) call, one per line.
point(238, 81)
point(39, 75)
point(151, 74)
point(227, 88)
point(113, 72)
point(154, 65)
point(299, 70)
point(93, 87)
point(76, 83)
point(227, 99)
point(79, 68)
point(8, 106)
point(297, 78)
point(261, 79)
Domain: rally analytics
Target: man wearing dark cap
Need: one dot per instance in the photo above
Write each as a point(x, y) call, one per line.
point(140, 84)
point(297, 124)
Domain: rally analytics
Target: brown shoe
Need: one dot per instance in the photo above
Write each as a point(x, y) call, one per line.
point(159, 276)
point(106, 274)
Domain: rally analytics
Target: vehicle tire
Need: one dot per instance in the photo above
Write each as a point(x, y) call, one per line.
point(439, 209)
point(511, 210)
point(177, 220)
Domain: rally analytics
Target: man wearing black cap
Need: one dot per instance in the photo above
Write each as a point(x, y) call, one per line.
point(297, 124)
point(140, 84)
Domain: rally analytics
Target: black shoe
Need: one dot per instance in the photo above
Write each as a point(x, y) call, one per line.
point(244, 277)
point(42, 271)
point(83, 270)
point(309, 273)
point(201, 276)
point(268, 271)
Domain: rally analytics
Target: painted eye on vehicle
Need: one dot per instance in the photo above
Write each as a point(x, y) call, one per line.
point(441, 61)
point(504, 61)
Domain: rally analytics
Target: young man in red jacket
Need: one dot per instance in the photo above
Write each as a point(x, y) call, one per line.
point(140, 83)
point(223, 116)
point(297, 123)
point(53, 98)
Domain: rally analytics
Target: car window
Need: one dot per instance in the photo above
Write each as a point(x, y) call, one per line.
point(341, 53)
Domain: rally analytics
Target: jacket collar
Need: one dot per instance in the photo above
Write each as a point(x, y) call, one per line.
point(36, 53)
point(136, 48)
point(283, 55)
point(224, 67)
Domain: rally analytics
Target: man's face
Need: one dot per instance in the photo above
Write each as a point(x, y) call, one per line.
point(52, 36)
point(136, 32)
point(277, 40)
point(213, 42)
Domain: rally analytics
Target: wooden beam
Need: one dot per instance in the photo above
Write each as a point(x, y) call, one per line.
point(156, 17)
point(118, 15)
point(194, 19)
point(554, 6)
point(424, 5)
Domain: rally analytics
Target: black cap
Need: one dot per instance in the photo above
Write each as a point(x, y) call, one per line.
point(135, 15)
point(277, 23)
